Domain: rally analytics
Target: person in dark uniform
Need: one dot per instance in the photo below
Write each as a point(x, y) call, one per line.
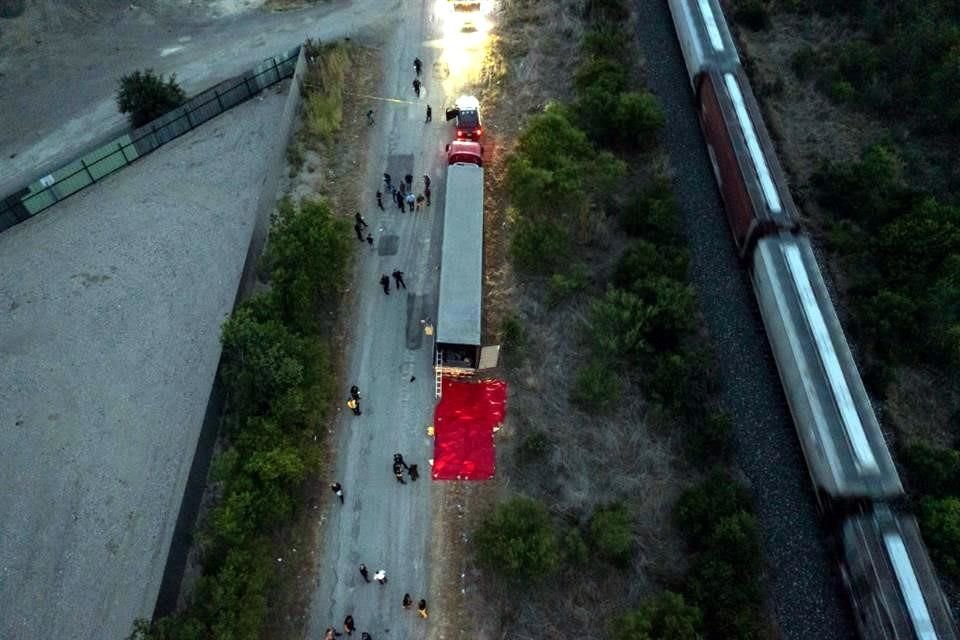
point(414, 472)
point(417, 65)
point(385, 283)
point(337, 490)
point(349, 626)
point(398, 472)
point(398, 279)
point(416, 86)
point(364, 572)
point(380, 200)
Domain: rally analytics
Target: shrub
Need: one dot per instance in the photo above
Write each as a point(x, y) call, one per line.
point(323, 104)
point(605, 40)
point(637, 118)
point(612, 11)
point(643, 260)
point(513, 335)
point(537, 247)
point(708, 440)
point(753, 14)
point(934, 470)
point(727, 597)
point(699, 508)
point(869, 191)
point(663, 617)
point(674, 379)
point(672, 311)
point(563, 285)
point(146, 96)
point(533, 448)
point(652, 214)
point(597, 388)
point(804, 62)
point(611, 533)
point(518, 541)
point(843, 92)
point(574, 549)
point(617, 326)
point(940, 521)
point(11, 8)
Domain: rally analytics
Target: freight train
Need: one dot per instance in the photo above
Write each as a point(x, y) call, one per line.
point(892, 585)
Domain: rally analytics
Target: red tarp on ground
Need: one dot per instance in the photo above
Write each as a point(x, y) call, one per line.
point(463, 424)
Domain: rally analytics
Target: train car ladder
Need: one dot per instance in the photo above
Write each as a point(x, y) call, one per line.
point(438, 376)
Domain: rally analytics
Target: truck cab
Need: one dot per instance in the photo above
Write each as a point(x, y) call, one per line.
point(465, 151)
point(466, 112)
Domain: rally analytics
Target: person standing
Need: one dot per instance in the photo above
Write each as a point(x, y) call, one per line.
point(416, 86)
point(398, 459)
point(337, 490)
point(385, 283)
point(429, 115)
point(364, 572)
point(411, 201)
point(380, 200)
point(365, 636)
point(359, 230)
point(407, 601)
point(355, 392)
point(387, 182)
point(420, 201)
point(349, 626)
point(331, 633)
point(417, 65)
point(359, 220)
point(422, 608)
point(381, 576)
point(354, 405)
point(426, 181)
point(414, 472)
point(370, 121)
point(370, 240)
point(398, 472)
point(426, 194)
point(409, 180)
point(398, 281)
point(398, 198)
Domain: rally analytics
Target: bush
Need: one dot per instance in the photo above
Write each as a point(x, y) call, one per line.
point(805, 62)
point(611, 533)
point(605, 40)
point(575, 552)
point(753, 14)
point(708, 440)
point(533, 448)
point(563, 285)
point(664, 617)
point(675, 380)
point(11, 8)
point(700, 508)
point(518, 541)
point(513, 335)
point(643, 260)
point(934, 470)
point(537, 247)
point(618, 324)
point(146, 96)
point(843, 92)
point(597, 388)
point(652, 214)
point(637, 118)
point(940, 521)
point(323, 104)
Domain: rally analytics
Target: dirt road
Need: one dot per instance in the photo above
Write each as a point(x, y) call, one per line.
point(62, 61)
point(385, 524)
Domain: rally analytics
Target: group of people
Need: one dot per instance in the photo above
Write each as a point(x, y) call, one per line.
point(404, 196)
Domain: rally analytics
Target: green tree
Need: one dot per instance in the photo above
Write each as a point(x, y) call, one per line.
point(518, 540)
point(611, 533)
point(643, 259)
point(700, 507)
point(663, 617)
point(537, 247)
point(637, 117)
point(934, 470)
point(940, 521)
point(618, 326)
point(146, 96)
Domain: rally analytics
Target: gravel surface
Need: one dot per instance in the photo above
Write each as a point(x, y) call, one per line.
point(112, 303)
point(803, 582)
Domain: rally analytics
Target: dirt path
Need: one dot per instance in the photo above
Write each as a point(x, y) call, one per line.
point(382, 523)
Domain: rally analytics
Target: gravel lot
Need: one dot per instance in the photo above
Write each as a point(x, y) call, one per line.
point(803, 583)
point(109, 341)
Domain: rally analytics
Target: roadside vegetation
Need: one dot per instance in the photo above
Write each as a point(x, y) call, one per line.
point(612, 528)
point(278, 373)
point(890, 219)
point(145, 96)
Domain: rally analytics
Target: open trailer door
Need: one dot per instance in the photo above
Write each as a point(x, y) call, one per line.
point(489, 357)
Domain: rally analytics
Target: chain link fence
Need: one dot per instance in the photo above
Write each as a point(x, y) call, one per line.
point(96, 165)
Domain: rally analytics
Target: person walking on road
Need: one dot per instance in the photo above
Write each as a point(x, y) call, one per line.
point(354, 405)
point(416, 86)
point(398, 459)
point(417, 66)
point(422, 608)
point(426, 194)
point(411, 201)
point(407, 601)
point(380, 201)
point(337, 490)
point(409, 180)
point(398, 472)
point(370, 240)
point(426, 181)
point(355, 392)
point(359, 220)
point(365, 636)
point(385, 283)
point(364, 572)
point(370, 121)
point(414, 472)
point(349, 626)
point(331, 633)
point(400, 284)
point(359, 230)
point(429, 115)
point(398, 198)
point(381, 576)
point(387, 182)
point(420, 201)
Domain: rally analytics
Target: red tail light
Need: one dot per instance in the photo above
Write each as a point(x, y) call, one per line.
point(479, 131)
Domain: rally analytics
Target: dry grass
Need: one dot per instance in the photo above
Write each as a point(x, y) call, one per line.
point(589, 460)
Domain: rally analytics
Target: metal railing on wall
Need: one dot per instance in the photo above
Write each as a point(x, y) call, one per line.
point(116, 154)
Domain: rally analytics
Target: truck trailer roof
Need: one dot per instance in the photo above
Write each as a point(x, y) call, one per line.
point(461, 272)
